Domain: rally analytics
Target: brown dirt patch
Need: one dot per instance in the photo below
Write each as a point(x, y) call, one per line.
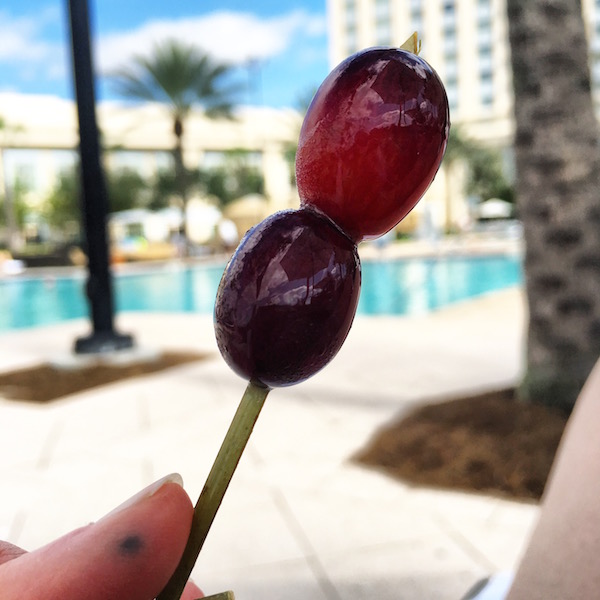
point(46, 382)
point(489, 443)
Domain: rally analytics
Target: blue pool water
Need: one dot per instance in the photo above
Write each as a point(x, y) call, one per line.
point(396, 287)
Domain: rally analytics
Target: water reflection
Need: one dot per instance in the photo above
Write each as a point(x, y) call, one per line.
point(417, 286)
point(413, 286)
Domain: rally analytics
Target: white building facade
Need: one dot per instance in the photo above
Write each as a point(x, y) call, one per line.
point(40, 138)
point(466, 41)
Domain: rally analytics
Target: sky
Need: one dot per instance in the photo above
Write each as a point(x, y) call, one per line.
point(279, 48)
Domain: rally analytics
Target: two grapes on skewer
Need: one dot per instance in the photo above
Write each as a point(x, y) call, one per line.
point(370, 145)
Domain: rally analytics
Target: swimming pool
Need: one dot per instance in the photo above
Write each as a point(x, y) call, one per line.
point(391, 287)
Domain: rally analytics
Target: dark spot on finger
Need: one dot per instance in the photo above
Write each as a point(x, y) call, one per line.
point(131, 545)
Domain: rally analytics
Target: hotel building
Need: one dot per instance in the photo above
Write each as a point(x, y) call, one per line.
point(40, 137)
point(466, 41)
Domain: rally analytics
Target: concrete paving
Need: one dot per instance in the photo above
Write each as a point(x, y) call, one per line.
point(300, 520)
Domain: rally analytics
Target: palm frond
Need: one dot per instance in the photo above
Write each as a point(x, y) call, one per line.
point(134, 84)
point(177, 74)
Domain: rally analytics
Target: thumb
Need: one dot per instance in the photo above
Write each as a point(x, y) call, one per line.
point(127, 555)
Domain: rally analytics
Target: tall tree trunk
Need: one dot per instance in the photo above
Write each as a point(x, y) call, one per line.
point(182, 178)
point(558, 192)
point(12, 230)
point(448, 217)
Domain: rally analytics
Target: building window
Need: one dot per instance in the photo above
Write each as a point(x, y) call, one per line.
point(484, 38)
point(449, 19)
point(351, 26)
point(164, 161)
point(484, 22)
point(64, 160)
point(452, 93)
point(448, 6)
point(416, 24)
point(485, 52)
point(213, 159)
point(484, 11)
point(383, 31)
point(217, 159)
point(486, 87)
point(130, 160)
point(350, 14)
point(485, 62)
point(484, 30)
point(451, 71)
point(450, 44)
point(24, 167)
point(416, 17)
point(382, 10)
point(485, 56)
point(351, 41)
point(451, 81)
point(450, 55)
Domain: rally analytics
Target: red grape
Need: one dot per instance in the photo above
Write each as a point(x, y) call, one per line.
point(372, 140)
point(287, 298)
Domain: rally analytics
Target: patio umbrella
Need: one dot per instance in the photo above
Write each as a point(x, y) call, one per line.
point(494, 208)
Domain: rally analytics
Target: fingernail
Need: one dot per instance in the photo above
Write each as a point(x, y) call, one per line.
point(146, 493)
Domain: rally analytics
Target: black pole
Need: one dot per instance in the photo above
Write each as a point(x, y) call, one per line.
point(94, 197)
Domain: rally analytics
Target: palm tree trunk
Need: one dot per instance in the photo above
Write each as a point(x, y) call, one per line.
point(558, 188)
point(449, 227)
point(182, 178)
point(12, 232)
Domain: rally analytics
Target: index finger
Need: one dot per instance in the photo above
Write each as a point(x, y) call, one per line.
point(127, 555)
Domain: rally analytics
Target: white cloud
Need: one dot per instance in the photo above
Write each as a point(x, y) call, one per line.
point(28, 47)
point(21, 39)
point(232, 37)
point(34, 46)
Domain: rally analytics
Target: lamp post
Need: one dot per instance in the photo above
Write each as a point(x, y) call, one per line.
point(94, 197)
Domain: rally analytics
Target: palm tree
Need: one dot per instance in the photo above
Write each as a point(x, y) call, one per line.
point(558, 189)
point(12, 233)
point(179, 76)
point(485, 173)
point(459, 149)
point(290, 149)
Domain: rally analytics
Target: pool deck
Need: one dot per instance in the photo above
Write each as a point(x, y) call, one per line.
point(300, 519)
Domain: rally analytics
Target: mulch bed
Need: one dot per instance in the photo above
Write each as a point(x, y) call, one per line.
point(490, 443)
point(46, 382)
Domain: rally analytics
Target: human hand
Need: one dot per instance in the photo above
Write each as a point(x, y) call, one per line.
point(127, 555)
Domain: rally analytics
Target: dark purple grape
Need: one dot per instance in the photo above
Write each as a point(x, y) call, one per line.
point(287, 298)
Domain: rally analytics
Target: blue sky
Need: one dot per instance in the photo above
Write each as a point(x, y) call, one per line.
point(279, 47)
